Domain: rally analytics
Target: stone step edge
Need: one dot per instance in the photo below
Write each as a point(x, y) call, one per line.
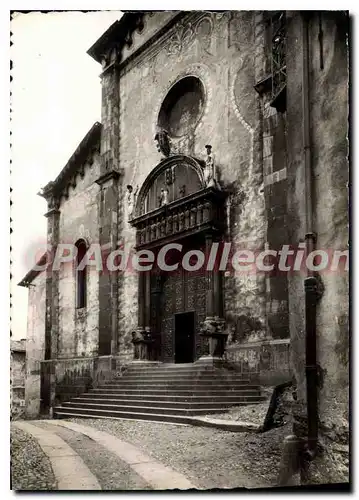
point(182, 399)
point(81, 399)
point(182, 387)
point(164, 391)
point(139, 410)
point(196, 421)
point(174, 383)
point(173, 380)
point(95, 406)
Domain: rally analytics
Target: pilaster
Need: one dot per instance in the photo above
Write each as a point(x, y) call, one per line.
point(108, 279)
point(109, 212)
point(52, 283)
point(213, 328)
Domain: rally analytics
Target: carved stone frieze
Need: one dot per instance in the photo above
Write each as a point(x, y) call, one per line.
point(187, 215)
point(182, 37)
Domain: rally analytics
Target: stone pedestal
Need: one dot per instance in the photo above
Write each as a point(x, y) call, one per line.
point(213, 329)
point(142, 341)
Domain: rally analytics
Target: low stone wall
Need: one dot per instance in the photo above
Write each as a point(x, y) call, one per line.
point(104, 368)
point(17, 402)
point(17, 369)
point(72, 377)
point(68, 378)
point(269, 359)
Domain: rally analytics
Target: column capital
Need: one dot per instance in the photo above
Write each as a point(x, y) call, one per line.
point(52, 211)
point(112, 175)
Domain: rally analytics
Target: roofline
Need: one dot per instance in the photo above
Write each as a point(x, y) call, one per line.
point(18, 349)
point(117, 31)
point(31, 275)
point(77, 158)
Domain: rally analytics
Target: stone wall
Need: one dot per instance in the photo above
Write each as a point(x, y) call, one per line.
point(78, 328)
point(18, 373)
point(330, 135)
point(269, 360)
point(330, 131)
point(329, 94)
point(35, 343)
point(72, 377)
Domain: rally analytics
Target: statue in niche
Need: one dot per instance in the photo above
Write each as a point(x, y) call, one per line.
point(163, 198)
point(210, 170)
point(131, 199)
point(182, 191)
point(163, 142)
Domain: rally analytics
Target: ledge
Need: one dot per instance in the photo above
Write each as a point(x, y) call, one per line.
point(53, 211)
point(112, 174)
point(226, 425)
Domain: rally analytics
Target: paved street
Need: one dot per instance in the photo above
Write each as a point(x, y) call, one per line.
point(110, 454)
point(30, 467)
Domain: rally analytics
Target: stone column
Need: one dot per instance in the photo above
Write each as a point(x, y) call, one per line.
point(108, 286)
point(147, 279)
point(214, 325)
point(141, 301)
point(156, 325)
point(52, 282)
point(141, 337)
point(52, 300)
point(210, 281)
point(148, 336)
point(217, 290)
point(109, 216)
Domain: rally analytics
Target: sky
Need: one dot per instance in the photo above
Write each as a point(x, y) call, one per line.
point(56, 98)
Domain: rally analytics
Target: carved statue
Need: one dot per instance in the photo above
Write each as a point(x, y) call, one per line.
point(131, 199)
point(164, 197)
point(163, 142)
point(182, 190)
point(210, 170)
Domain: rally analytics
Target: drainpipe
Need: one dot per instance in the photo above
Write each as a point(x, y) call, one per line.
point(311, 282)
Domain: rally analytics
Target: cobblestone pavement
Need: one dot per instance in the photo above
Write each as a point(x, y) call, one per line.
point(210, 458)
point(30, 468)
point(111, 472)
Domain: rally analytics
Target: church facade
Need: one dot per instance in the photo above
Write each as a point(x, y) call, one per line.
point(224, 130)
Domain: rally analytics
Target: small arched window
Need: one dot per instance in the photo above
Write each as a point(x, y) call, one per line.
point(80, 275)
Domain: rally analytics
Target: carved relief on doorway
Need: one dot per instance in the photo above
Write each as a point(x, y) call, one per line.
point(182, 292)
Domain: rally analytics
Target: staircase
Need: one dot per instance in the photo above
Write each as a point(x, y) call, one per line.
point(166, 393)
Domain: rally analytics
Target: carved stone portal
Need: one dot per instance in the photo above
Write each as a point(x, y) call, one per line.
point(197, 219)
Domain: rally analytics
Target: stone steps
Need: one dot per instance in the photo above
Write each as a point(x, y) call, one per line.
point(165, 397)
point(164, 410)
point(194, 403)
point(171, 392)
point(177, 385)
point(179, 370)
point(133, 379)
point(152, 417)
point(167, 393)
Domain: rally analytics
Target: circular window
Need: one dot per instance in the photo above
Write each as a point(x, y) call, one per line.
point(182, 107)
